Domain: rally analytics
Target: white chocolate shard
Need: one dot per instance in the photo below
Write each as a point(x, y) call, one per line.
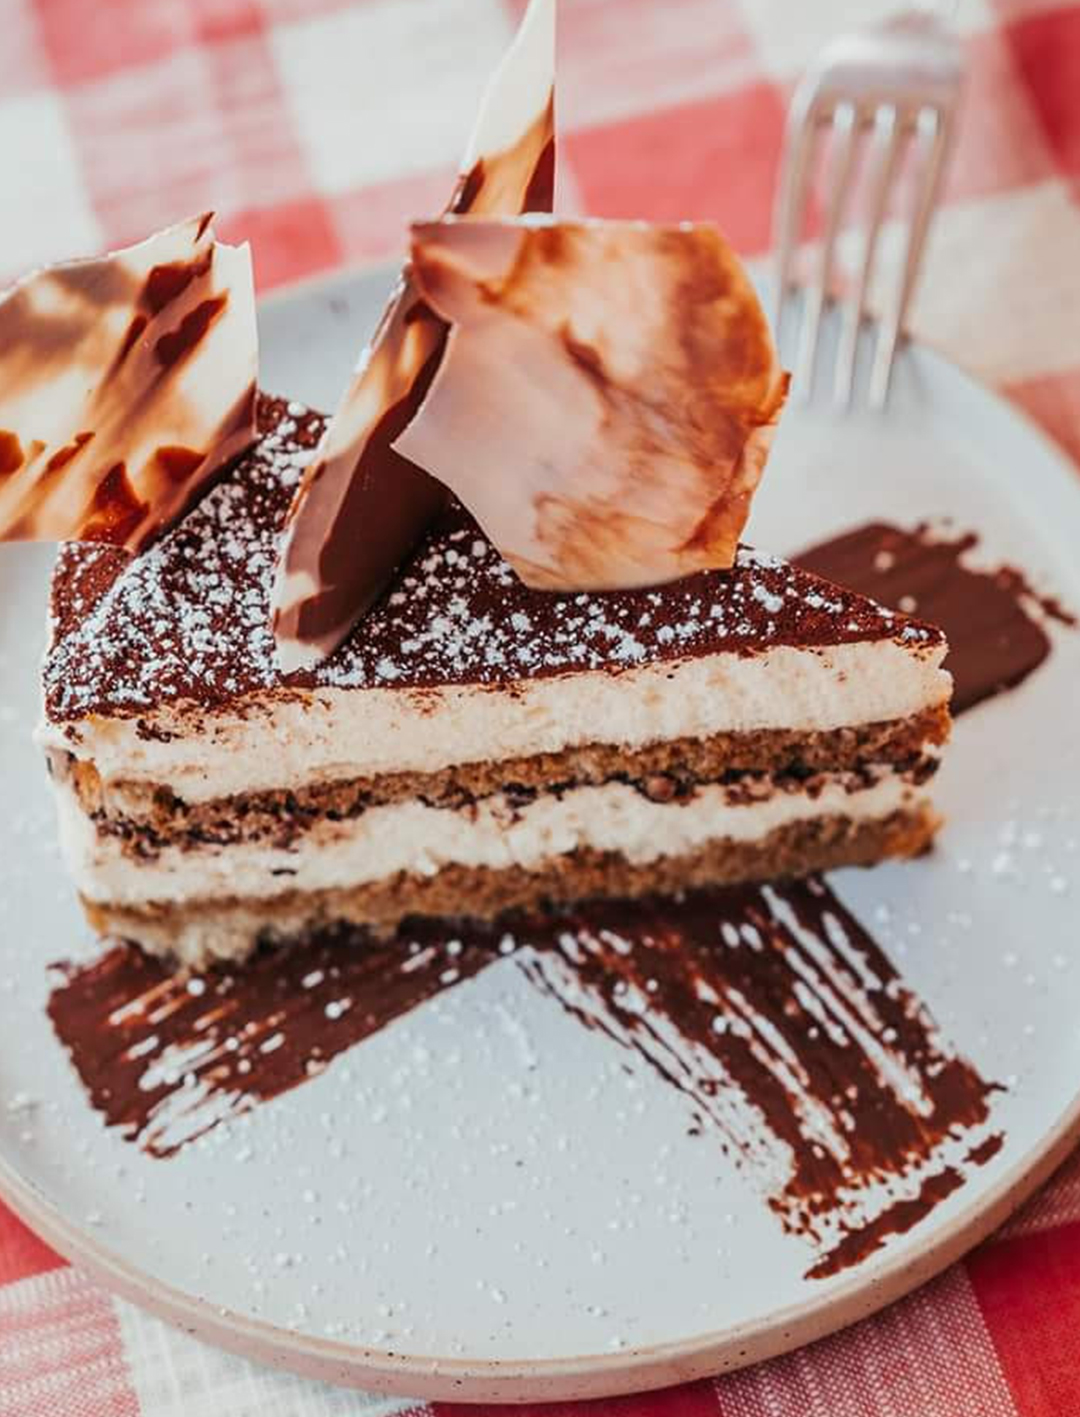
point(360, 507)
point(607, 398)
point(126, 383)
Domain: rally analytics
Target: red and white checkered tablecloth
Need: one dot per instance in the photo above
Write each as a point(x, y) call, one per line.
point(316, 128)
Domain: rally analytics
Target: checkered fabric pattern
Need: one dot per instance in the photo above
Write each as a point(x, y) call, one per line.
point(316, 128)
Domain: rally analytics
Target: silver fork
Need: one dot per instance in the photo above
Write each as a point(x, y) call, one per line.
point(896, 87)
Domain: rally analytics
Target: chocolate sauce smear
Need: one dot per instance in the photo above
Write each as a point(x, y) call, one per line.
point(993, 619)
point(165, 1057)
point(897, 1219)
point(770, 1009)
point(786, 1027)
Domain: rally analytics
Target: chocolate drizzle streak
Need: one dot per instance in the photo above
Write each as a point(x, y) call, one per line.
point(165, 1057)
point(786, 1026)
point(771, 1010)
point(993, 619)
point(897, 1219)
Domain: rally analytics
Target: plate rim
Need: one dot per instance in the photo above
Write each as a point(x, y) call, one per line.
point(867, 1289)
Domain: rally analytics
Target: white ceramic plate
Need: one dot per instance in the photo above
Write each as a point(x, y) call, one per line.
point(425, 1264)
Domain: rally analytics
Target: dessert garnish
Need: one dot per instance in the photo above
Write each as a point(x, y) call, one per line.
point(361, 506)
point(631, 369)
point(127, 382)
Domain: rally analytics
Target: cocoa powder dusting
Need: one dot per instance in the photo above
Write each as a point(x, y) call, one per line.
point(454, 614)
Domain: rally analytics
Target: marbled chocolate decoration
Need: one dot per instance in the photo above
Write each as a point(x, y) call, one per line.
point(127, 383)
point(361, 507)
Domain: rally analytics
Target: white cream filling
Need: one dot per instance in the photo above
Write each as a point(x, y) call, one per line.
point(337, 734)
point(421, 840)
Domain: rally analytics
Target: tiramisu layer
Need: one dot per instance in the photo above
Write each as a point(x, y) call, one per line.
point(195, 931)
point(169, 871)
point(147, 816)
point(474, 745)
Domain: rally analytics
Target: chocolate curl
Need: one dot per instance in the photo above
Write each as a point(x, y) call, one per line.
point(126, 383)
point(361, 507)
point(607, 398)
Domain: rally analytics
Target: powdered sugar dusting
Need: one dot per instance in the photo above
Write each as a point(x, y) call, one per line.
point(189, 621)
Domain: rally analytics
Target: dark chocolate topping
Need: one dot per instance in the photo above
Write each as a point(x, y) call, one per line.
point(189, 621)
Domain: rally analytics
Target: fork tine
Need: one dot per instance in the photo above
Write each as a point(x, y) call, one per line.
point(885, 149)
point(841, 163)
point(933, 139)
point(791, 187)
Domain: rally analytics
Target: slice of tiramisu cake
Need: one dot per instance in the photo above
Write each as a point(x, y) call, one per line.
point(486, 639)
point(474, 745)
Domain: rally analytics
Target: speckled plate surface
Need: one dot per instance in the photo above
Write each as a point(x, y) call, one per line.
point(487, 1200)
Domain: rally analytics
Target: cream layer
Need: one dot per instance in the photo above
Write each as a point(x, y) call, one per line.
point(291, 739)
point(420, 840)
